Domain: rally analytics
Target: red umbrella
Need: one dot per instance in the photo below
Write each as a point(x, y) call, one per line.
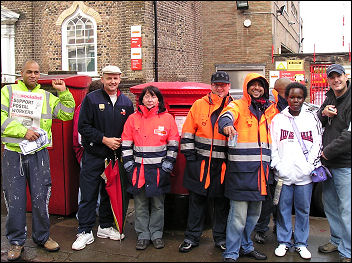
point(115, 187)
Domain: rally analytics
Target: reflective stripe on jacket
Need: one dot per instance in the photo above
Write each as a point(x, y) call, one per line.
point(248, 162)
point(200, 140)
point(13, 132)
point(149, 138)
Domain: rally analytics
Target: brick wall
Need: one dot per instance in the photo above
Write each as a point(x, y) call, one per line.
point(227, 41)
point(180, 58)
point(24, 48)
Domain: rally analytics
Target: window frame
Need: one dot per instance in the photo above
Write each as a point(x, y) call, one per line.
point(65, 45)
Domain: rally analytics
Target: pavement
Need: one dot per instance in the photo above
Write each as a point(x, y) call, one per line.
point(63, 230)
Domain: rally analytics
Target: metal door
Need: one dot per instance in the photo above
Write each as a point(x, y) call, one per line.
point(318, 83)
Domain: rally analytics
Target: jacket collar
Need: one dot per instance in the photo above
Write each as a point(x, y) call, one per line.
point(147, 113)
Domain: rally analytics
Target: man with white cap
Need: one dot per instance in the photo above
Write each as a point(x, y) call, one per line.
point(102, 117)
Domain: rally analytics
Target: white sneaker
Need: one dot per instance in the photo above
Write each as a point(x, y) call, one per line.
point(109, 232)
point(281, 250)
point(304, 252)
point(82, 240)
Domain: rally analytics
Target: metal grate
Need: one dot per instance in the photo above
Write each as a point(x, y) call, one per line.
point(318, 83)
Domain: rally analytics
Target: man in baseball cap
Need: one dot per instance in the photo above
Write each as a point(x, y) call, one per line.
point(220, 77)
point(335, 116)
point(335, 68)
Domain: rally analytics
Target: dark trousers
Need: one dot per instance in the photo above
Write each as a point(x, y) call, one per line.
point(89, 181)
point(17, 170)
point(267, 209)
point(196, 216)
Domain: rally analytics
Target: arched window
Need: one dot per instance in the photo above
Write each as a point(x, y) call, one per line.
point(79, 39)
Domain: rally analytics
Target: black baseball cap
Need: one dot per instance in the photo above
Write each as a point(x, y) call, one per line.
point(220, 77)
point(335, 68)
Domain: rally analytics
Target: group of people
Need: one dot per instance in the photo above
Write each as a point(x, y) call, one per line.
point(235, 152)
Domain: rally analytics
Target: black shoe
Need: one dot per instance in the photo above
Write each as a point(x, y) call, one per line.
point(158, 243)
point(229, 260)
point(185, 247)
point(241, 253)
point(259, 237)
point(221, 245)
point(256, 255)
point(142, 244)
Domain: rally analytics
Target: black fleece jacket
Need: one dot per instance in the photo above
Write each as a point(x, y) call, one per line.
point(337, 133)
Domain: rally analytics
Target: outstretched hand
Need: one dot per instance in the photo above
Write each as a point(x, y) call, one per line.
point(59, 84)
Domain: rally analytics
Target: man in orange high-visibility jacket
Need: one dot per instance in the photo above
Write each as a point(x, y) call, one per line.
point(248, 163)
point(205, 152)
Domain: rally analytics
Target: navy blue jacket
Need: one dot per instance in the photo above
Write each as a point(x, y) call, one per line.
point(98, 117)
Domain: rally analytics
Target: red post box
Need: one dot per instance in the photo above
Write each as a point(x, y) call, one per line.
point(178, 98)
point(64, 167)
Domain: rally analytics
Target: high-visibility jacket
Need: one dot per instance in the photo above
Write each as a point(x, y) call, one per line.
point(204, 147)
point(149, 138)
point(249, 162)
point(13, 132)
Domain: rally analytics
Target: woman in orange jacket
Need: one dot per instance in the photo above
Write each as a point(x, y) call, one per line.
point(150, 142)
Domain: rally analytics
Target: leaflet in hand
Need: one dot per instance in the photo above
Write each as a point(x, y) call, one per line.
point(31, 146)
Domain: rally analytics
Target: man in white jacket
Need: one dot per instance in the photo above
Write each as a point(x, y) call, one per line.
point(294, 168)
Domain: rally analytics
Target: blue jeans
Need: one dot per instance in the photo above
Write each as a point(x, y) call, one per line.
point(243, 216)
point(337, 207)
point(149, 223)
point(300, 196)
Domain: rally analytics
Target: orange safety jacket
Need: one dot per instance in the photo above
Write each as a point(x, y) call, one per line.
point(204, 147)
point(249, 161)
point(149, 138)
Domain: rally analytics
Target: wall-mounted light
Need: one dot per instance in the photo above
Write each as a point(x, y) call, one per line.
point(281, 10)
point(242, 4)
point(247, 23)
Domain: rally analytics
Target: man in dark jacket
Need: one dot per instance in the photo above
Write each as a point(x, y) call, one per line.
point(101, 119)
point(205, 152)
point(335, 116)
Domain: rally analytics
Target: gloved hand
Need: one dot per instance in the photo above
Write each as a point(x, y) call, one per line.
point(129, 166)
point(167, 166)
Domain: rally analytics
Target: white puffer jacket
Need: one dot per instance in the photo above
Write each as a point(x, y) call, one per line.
point(287, 155)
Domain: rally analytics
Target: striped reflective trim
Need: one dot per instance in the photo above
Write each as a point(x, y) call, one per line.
point(227, 114)
point(172, 143)
point(9, 87)
point(208, 141)
point(251, 145)
point(187, 146)
point(149, 160)
point(248, 158)
point(62, 107)
point(127, 143)
point(127, 153)
point(5, 124)
point(215, 154)
point(14, 140)
point(187, 135)
point(171, 154)
point(5, 108)
point(150, 148)
point(48, 114)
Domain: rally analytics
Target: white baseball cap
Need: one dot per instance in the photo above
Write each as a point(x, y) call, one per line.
point(111, 70)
